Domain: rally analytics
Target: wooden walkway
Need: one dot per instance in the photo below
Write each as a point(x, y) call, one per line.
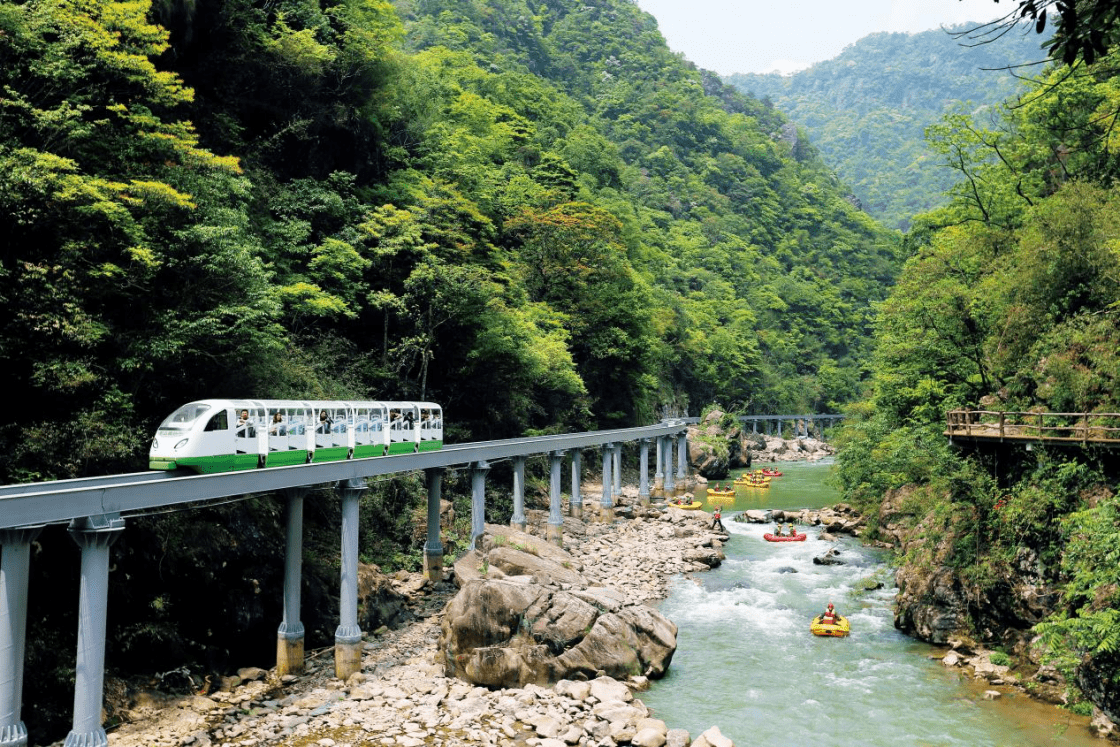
point(1040, 427)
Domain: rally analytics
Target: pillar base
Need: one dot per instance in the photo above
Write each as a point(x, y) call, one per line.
point(347, 658)
point(643, 500)
point(289, 656)
point(96, 738)
point(347, 651)
point(13, 735)
point(518, 524)
point(606, 513)
point(575, 510)
point(554, 534)
point(433, 566)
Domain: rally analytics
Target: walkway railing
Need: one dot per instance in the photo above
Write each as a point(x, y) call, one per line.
point(1055, 427)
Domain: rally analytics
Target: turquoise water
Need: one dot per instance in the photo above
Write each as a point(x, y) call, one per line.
point(747, 663)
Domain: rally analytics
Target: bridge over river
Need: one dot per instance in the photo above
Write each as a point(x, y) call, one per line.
point(97, 509)
point(803, 425)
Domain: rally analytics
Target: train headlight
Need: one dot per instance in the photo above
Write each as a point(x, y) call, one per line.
point(181, 444)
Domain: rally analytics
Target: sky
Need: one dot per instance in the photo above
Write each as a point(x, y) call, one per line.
point(753, 36)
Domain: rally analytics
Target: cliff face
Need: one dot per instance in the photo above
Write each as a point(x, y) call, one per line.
point(939, 601)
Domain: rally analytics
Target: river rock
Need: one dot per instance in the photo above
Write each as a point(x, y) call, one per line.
point(755, 516)
point(713, 737)
point(546, 624)
point(677, 738)
point(829, 558)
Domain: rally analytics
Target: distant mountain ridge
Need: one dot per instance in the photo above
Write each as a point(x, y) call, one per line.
point(866, 110)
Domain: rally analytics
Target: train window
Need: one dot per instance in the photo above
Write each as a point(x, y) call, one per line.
point(219, 422)
point(182, 418)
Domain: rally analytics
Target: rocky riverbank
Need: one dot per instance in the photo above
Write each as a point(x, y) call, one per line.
point(403, 695)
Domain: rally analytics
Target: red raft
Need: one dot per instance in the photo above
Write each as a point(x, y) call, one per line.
point(784, 538)
point(771, 473)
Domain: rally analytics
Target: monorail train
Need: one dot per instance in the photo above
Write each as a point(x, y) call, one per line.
point(222, 435)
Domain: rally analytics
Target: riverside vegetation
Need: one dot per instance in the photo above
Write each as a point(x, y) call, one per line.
point(1009, 301)
point(533, 213)
point(537, 215)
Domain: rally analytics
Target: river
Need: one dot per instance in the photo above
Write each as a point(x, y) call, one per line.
point(746, 662)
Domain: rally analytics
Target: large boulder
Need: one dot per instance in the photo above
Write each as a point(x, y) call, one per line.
point(521, 618)
point(714, 446)
point(507, 633)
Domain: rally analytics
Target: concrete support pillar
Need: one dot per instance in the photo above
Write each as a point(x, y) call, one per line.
point(555, 532)
point(433, 549)
point(659, 476)
point(616, 491)
point(517, 521)
point(575, 503)
point(682, 462)
point(290, 634)
point(670, 482)
point(348, 636)
point(754, 426)
point(643, 471)
point(478, 500)
point(15, 569)
point(769, 425)
point(94, 534)
point(606, 503)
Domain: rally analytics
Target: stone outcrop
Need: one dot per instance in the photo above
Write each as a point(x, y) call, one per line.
point(716, 447)
point(524, 618)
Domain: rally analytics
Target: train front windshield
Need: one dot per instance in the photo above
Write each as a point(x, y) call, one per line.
point(183, 418)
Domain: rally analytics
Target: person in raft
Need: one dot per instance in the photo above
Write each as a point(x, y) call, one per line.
point(830, 616)
point(716, 521)
point(778, 531)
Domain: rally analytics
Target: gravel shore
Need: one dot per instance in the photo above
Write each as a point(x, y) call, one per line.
point(402, 698)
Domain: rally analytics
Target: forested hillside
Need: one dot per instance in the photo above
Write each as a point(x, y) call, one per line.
point(1009, 302)
point(868, 108)
point(531, 212)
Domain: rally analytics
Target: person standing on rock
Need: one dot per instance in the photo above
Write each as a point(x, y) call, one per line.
point(716, 521)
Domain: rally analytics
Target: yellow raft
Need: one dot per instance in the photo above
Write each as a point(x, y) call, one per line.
point(687, 506)
point(838, 629)
point(725, 493)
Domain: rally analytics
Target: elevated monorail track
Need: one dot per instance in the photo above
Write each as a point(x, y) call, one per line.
point(65, 500)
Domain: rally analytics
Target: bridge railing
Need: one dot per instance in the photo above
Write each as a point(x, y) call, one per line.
point(1069, 427)
point(803, 425)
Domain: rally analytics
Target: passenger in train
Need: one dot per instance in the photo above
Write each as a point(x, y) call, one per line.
point(278, 428)
point(325, 422)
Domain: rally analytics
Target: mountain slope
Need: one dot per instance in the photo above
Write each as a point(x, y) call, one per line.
point(867, 109)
